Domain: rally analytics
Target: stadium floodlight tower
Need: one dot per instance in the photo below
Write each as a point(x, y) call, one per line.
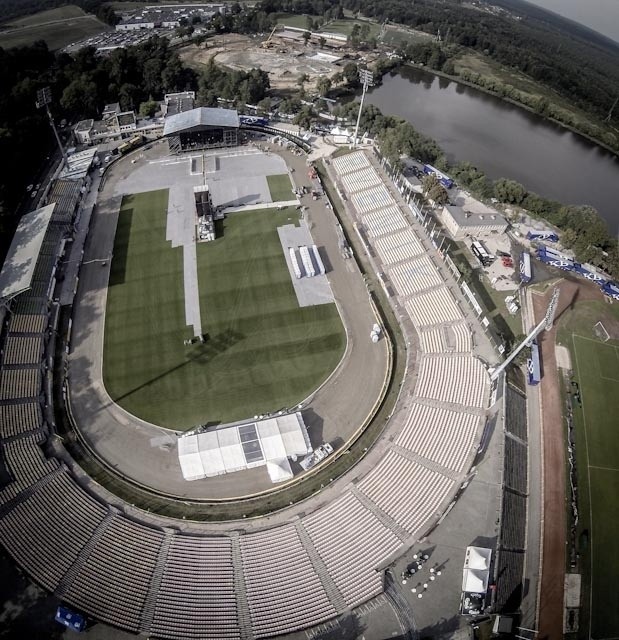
point(366, 77)
point(544, 325)
point(44, 99)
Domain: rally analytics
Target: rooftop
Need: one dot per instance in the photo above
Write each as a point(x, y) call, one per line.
point(468, 212)
point(200, 117)
point(18, 268)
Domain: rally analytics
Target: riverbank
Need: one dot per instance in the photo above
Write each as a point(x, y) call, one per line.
point(459, 80)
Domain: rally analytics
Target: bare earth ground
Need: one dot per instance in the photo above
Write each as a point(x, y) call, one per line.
point(554, 509)
point(244, 53)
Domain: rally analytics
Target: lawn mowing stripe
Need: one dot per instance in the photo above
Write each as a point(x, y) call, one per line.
point(600, 405)
point(263, 351)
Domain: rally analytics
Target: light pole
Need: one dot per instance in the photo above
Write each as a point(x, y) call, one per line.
point(44, 98)
point(367, 80)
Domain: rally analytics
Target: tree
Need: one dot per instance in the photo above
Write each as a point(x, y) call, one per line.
point(322, 41)
point(337, 78)
point(302, 79)
point(351, 74)
point(149, 108)
point(128, 96)
point(509, 191)
point(305, 117)
point(306, 37)
point(264, 106)
point(429, 183)
point(80, 97)
point(323, 85)
point(439, 194)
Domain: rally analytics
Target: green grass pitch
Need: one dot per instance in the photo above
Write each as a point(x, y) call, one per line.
point(596, 366)
point(264, 352)
point(280, 187)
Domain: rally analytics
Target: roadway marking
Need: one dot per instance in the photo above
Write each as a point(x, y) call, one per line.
point(593, 466)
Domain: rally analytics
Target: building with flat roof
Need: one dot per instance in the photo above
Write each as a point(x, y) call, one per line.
point(469, 217)
point(21, 259)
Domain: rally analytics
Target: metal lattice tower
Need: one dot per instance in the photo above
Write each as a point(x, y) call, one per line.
point(366, 77)
point(544, 325)
point(44, 99)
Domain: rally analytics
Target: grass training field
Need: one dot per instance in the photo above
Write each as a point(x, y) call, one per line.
point(59, 13)
point(280, 187)
point(57, 34)
point(596, 369)
point(263, 351)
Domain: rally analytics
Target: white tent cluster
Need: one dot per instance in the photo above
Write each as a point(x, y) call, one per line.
point(267, 443)
point(475, 577)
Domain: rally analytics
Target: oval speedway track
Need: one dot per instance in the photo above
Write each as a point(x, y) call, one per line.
point(176, 579)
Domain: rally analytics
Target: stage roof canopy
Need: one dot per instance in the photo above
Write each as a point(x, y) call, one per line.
point(18, 268)
point(200, 117)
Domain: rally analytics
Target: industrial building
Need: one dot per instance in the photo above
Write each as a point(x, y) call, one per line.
point(166, 16)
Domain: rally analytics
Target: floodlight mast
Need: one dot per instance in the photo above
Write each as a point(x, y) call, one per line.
point(366, 78)
point(44, 98)
point(544, 325)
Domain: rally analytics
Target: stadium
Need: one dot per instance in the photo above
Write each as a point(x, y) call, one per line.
point(190, 347)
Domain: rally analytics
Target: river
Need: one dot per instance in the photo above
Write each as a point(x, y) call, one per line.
point(503, 140)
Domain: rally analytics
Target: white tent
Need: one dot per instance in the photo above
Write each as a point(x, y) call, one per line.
point(279, 470)
point(189, 457)
point(474, 581)
point(243, 446)
point(477, 558)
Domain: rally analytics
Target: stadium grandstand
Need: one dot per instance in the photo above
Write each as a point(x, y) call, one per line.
point(19, 266)
point(159, 577)
point(512, 538)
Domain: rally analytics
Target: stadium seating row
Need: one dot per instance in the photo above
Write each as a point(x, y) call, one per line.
point(350, 162)
point(442, 435)
point(399, 246)
point(460, 379)
point(414, 276)
point(27, 323)
point(19, 418)
point(360, 180)
point(22, 350)
point(383, 221)
point(19, 383)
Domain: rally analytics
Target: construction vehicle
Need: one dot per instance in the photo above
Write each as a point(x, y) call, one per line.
point(267, 44)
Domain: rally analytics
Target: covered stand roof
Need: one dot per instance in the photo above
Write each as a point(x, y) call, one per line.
point(243, 446)
point(18, 268)
point(200, 117)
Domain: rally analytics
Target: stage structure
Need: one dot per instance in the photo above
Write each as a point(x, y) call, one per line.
point(202, 128)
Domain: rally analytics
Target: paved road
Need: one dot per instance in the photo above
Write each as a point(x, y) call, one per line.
point(147, 453)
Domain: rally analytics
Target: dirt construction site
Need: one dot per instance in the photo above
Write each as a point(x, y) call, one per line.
point(285, 61)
